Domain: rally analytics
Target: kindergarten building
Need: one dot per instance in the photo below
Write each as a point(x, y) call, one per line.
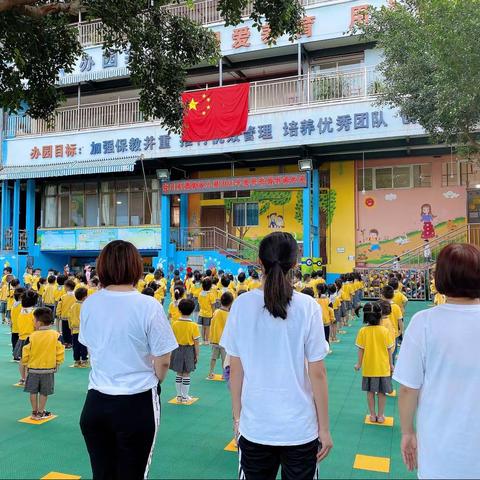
point(355, 183)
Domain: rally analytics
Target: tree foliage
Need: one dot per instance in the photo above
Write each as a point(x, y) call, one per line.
point(431, 66)
point(36, 42)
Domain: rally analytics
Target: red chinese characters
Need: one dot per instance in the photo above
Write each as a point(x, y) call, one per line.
point(241, 37)
point(359, 15)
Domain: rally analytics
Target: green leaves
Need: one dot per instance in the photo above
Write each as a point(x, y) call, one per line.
point(431, 65)
point(162, 49)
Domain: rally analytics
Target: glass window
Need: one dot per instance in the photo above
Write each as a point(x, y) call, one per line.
point(422, 175)
point(136, 208)
point(64, 212)
point(229, 194)
point(401, 177)
point(64, 188)
point(121, 209)
point(245, 215)
point(365, 174)
point(76, 210)
point(77, 187)
point(137, 185)
point(91, 210)
point(91, 188)
point(466, 170)
point(449, 174)
point(243, 194)
point(383, 178)
point(107, 204)
point(121, 185)
point(212, 195)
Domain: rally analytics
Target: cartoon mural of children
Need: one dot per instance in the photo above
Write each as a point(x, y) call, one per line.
point(280, 221)
point(374, 240)
point(426, 217)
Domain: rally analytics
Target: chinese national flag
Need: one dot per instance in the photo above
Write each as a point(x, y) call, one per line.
point(215, 113)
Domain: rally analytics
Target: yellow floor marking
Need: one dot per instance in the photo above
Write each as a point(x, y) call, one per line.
point(232, 446)
point(60, 476)
point(173, 401)
point(387, 423)
point(393, 394)
point(37, 422)
point(372, 464)
point(216, 378)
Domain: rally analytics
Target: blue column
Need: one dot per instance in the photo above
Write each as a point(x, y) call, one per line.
point(16, 215)
point(30, 214)
point(183, 217)
point(165, 226)
point(307, 221)
point(316, 213)
point(5, 212)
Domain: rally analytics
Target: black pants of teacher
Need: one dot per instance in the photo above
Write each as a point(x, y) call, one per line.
point(14, 340)
point(261, 462)
point(119, 431)
point(326, 329)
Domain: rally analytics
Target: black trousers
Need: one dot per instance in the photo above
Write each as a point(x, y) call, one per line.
point(80, 351)
point(14, 340)
point(66, 333)
point(261, 462)
point(119, 431)
point(326, 329)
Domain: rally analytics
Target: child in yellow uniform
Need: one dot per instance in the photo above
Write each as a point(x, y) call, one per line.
point(375, 347)
point(63, 312)
point(398, 297)
point(439, 299)
point(219, 321)
point(173, 311)
point(255, 281)
point(396, 316)
point(49, 293)
point(94, 286)
point(14, 283)
point(28, 277)
point(35, 279)
point(149, 277)
point(4, 290)
point(185, 358)
point(160, 289)
point(26, 326)
point(195, 290)
point(80, 352)
point(206, 302)
point(335, 302)
point(298, 284)
point(42, 356)
point(59, 293)
point(242, 285)
point(15, 312)
point(328, 315)
point(42, 283)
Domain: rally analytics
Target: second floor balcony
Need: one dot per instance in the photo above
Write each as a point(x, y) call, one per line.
point(265, 96)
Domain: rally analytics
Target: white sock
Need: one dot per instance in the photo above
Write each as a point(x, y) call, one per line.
point(185, 386)
point(178, 385)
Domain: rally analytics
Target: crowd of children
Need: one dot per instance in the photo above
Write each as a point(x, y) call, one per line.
point(44, 315)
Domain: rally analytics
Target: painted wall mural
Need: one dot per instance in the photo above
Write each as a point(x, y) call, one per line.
point(393, 221)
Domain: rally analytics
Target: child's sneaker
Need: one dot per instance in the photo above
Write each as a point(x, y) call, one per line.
point(77, 364)
point(179, 399)
point(21, 381)
point(211, 376)
point(45, 414)
point(85, 364)
point(187, 399)
point(34, 415)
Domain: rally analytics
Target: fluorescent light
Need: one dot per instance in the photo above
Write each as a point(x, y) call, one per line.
point(163, 174)
point(477, 185)
point(305, 165)
point(119, 202)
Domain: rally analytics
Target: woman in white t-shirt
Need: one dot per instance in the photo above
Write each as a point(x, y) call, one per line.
point(276, 342)
point(129, 341)
point(440, 376)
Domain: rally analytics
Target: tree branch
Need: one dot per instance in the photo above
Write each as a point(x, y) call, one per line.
point(6, 5)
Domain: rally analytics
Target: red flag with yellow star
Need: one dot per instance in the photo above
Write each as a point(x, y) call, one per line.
point(215, 113)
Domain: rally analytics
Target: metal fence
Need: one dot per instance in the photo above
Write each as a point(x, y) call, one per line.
point(8, 239)
point(203, 13)
point(264, 95)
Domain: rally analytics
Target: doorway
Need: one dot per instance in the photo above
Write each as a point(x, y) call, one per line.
point(214, 216)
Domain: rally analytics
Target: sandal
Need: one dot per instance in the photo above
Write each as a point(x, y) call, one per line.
point(381, 419)
point(373, 418)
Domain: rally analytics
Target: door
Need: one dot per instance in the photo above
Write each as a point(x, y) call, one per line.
point(213, 217)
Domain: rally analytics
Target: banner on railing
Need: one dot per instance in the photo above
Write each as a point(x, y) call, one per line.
point(231, 184)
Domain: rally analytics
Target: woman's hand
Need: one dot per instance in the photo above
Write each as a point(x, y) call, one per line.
point(357, 367)
point(409, 450)
point(326, 443)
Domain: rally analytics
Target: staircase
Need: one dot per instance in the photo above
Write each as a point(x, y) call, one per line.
point(214, 238)
point(414, 258)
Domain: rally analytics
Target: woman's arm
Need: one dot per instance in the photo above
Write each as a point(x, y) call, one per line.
point(407, 403)
point(318, 380)
point(161, 364)
point(236, 384)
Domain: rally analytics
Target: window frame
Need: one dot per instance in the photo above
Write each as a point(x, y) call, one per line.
point(245, 209)
point(373, 170)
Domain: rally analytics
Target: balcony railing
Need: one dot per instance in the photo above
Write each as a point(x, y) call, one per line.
point(8, 239)
point(265, 95)
point(203, 13)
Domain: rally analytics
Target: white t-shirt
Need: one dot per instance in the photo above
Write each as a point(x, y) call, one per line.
point(439, 356)
point(122, 331)
point(277, 399)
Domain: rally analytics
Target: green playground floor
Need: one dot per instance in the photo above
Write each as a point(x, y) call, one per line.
point(192, 438)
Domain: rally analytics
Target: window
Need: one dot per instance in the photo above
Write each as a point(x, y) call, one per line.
point(245, 215)
point(402, 176)
point(460, 173)
point(106, 203)
point(221, 195)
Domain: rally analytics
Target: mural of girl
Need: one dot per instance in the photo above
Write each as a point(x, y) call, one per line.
point(374, 240)
point(426, 217)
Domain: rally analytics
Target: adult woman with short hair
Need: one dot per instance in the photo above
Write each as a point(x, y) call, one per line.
point(438, 369)
point(276, 342)
point(129, 341)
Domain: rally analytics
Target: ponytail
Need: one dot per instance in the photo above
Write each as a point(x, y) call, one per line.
point(372, 313)
point(278, 254)
point(178, 292)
